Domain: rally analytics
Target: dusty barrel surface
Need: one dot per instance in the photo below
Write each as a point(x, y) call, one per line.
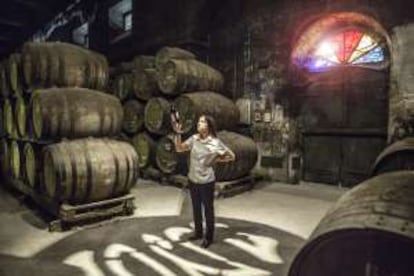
point(178, 75)
point(9, 119)
point(133, 116)
point(372, 223)
point(190, 106)
point(246, 153)
point(4, 86)
point(145, 147)
point(157, 116)
point(74, 113)
point(164, 54)
point(122, 86)
point(32, 158)
point(87, 170)
point(14, 74)
point(396, 157)
point(47, 64)
point(145, 85)
point(2, 130)
point(20, 113)
point(16, 160)
point(167, 159)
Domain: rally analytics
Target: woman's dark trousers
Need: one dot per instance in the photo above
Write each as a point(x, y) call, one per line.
point(202, 197)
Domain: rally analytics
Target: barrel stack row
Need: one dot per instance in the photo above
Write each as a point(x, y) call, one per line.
point(60, 126)
point(149, 86)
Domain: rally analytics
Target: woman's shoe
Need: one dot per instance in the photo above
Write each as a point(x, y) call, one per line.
point(206, 243)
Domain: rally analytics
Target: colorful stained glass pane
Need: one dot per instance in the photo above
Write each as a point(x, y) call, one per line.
point(349, 43)
point(375, 55)
point(349, 47)
point(365, 45)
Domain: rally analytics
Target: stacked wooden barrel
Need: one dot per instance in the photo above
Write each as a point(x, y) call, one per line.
point(54, 94)
point(175, 78)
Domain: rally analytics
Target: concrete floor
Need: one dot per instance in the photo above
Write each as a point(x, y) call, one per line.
point(295, 209)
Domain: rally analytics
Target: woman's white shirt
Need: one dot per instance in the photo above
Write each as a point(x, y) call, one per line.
point(202, 154)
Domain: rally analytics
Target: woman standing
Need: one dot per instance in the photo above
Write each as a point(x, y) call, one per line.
point(205, 149)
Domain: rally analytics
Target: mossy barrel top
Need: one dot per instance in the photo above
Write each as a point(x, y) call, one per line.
point(178, 76)
point(47, 64)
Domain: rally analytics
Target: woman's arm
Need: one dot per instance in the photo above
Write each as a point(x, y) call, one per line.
point(228, 156)
point(179, 145)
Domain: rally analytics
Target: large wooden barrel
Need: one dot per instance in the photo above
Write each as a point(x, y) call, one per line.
point(396, 157)
point(190, 106)
point(167, 159)
point(14, 74)
point(164, 54)
point(143, 62)
point(246, 153)
point(140, 62)
point(157, 116)
point(4, 86)
point(178, 75)
point(32, 158)
point(20, 108)
point(4, 157)
point(16, 160)
point(368, 232)
point(9, 119)
point(2, 130)
point(74, 113)
point(87, 170)
point(133, 116)
point(48, 64)
point(144, 145)
point(145, 85)
point(122, 86)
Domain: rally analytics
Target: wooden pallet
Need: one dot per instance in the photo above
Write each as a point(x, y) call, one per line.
point(67, 215)
point(222, 188)
point(233, 187)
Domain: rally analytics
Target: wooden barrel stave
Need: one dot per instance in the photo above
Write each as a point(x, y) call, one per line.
point(144, 145)
point(74, 113)
point(157, 116)
point(167, 159)
point(145, 85)
point(192, 105)
point(246, 153)
point(370, 223)
point(88, 170)
point(49, 64)
point(133, 116)
point(164, 54)
point(177, 76)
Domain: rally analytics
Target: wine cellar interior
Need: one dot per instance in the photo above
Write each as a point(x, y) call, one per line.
point(313, 103)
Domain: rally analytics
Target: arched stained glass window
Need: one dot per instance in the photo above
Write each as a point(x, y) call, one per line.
point(351, 47)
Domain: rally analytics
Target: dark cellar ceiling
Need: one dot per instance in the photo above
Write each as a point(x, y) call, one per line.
point(20, 19)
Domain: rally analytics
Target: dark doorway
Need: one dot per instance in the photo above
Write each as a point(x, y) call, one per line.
point(345, 115)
